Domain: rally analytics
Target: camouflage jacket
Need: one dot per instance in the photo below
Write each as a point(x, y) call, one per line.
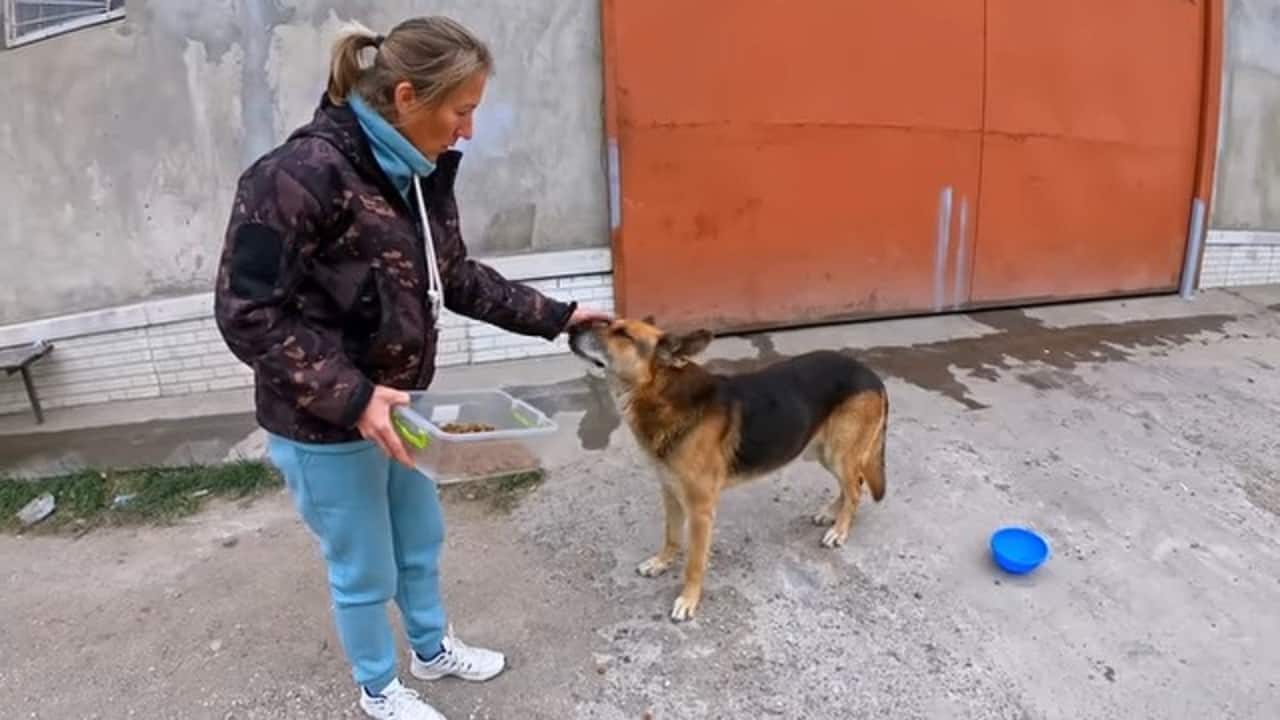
point(322, 283)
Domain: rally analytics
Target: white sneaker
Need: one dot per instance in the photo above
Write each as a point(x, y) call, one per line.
point(397, 702)
point(459, 660)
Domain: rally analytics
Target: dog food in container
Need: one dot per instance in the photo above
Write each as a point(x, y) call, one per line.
point(456, 436)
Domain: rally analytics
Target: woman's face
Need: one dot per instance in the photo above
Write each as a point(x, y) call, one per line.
point(433, 129)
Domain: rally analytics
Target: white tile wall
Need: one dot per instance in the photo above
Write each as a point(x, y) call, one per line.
point(186, 357)
point(1235, 265)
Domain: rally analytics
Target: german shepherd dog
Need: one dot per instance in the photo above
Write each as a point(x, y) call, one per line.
point(708, 432)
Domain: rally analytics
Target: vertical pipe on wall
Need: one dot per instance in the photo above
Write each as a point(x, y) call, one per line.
point(615, 185)
point(613, 154)
point(1195, 236)
point(1207, 160)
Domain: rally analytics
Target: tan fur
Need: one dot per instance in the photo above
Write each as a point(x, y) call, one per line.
point(693, 442)
point(851, 447)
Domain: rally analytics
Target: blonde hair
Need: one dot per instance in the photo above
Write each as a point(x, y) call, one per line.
point(434, 54)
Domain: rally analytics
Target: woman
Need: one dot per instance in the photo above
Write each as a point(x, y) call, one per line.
point(343, 245)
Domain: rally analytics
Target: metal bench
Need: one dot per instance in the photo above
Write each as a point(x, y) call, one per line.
point(19, 360)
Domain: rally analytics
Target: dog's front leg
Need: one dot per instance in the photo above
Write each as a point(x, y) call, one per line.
point(701, 513)
point(673, 512)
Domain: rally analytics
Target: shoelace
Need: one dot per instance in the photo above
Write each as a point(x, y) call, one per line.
point(453, 659)
point(403, 700)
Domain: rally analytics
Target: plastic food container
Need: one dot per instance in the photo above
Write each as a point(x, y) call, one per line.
point(472, 435)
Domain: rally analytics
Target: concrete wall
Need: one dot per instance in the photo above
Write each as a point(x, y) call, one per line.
point(1248, 182)
point(120, 144)
point(1243, 243)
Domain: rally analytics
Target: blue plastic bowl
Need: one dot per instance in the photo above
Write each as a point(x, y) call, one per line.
point(1018, 550)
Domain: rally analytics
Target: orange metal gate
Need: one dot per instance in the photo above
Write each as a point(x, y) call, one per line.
point(783, 162)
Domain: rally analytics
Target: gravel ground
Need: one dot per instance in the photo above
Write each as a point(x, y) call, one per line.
point(1139, 437)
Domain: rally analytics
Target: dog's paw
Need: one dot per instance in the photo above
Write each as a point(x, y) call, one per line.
point(834, 539)
point(654, 566)
point(683, 609)
point(824, 517)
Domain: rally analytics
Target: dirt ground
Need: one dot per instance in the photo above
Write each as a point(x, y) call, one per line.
point(1139, 437)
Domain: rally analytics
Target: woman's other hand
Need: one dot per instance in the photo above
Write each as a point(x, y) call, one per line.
point(375, 423)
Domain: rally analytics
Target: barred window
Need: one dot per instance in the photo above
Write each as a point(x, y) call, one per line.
point(26, 21)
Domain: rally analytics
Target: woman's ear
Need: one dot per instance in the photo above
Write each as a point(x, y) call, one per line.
point(404, 97)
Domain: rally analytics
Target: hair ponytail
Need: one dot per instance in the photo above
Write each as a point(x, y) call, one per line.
point(345, 70)
point(434, 54)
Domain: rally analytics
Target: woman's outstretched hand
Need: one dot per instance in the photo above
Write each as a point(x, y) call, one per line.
point(583, 315)
point(375, 423)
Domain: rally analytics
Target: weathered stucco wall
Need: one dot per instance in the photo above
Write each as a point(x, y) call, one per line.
point(120, 144)
point(1248, 182)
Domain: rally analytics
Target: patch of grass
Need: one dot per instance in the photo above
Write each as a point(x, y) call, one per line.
point(518, 481)
point(93, 498)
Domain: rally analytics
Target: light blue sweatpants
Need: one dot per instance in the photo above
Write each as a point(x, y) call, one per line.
point(380, 530)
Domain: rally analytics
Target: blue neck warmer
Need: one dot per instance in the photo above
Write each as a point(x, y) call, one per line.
point(397, 157)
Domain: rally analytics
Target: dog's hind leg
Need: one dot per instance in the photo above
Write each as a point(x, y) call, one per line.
point(827, 514)
point(851, 483)
point(854, 438)
point(673, 512)
point(831, 448)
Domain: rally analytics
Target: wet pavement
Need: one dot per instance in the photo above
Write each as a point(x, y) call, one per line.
point(1011, 343)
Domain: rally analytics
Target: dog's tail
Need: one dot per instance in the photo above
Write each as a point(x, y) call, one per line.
point(873, 463)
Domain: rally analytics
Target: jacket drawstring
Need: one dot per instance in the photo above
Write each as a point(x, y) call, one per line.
point(435, 286)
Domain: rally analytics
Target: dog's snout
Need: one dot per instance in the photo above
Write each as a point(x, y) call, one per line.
point(584, 341)
point(587, 327)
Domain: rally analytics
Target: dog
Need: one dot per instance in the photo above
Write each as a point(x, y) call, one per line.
point(707, 432)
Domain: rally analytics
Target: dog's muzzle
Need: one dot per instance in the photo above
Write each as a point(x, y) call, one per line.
point(585, 343)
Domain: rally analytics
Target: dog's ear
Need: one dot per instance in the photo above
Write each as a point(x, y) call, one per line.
point(676, 349)
point(695, 342)
point(649, 320)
